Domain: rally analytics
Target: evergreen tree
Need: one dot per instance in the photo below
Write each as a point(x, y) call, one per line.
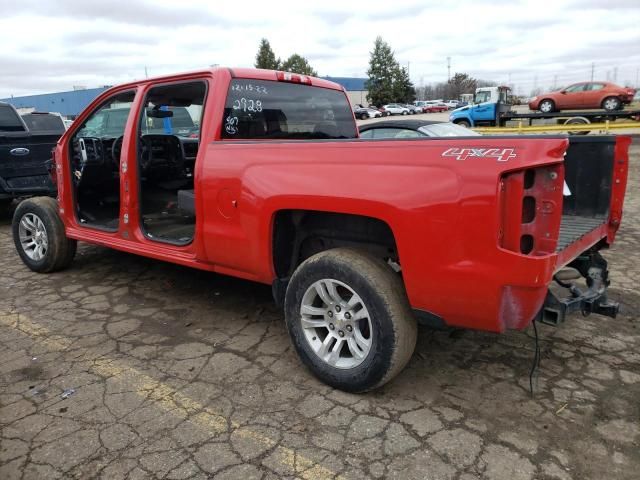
point(298, 64)
point(382, 72)
point(403, 89)
point(265, 58)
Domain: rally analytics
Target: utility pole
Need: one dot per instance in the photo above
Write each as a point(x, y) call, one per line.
point(637, 75)
point(615, 74)
point(593, 66)
point(448, 68)
point(409, 68)
point(555, 81)
point(146, 74)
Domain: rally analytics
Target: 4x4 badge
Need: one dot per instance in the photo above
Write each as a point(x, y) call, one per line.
point(500, 154)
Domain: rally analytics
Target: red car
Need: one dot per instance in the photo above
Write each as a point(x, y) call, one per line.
point(605, 95)
point(433, 106)
point(359, 239)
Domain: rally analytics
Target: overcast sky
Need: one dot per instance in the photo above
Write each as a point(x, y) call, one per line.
point(51, 46)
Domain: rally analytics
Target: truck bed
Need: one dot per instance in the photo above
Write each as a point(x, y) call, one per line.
point(574, 227)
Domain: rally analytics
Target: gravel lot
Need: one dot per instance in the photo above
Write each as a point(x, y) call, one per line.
point(175, 373)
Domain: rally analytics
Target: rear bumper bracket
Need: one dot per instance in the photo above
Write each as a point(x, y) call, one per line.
point(593, 267)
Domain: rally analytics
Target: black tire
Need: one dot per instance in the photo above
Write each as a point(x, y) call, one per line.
point(60, 249)
point(404, 112)
point(364, 116)
point(547, 106)
point(393, 326)
point(578, 121)
point(611, 104)
point(463, 123)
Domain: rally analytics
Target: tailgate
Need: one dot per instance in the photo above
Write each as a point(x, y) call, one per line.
point(595, 175)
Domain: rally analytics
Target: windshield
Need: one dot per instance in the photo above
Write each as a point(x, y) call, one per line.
point(447, 130)
point(181, 123)
point(280, 110)
point(482, 97)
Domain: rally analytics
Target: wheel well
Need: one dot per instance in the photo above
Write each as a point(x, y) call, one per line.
point(546, 100)
point(299, 234)
point(617, 97)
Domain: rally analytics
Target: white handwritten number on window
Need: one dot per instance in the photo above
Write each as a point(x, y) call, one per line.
point(231, 125)
point(247, 105)
point(258, 89)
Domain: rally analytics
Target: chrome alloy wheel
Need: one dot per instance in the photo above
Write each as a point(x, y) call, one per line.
point(336, 323)
point(611, 104)
point(33, 236)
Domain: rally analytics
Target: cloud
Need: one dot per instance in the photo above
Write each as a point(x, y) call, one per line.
point(51, 46)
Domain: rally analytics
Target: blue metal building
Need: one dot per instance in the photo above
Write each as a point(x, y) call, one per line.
point(351, 84)
point(68, 104)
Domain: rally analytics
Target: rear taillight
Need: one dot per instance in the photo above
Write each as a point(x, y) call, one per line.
point(531, 210)
point(293, 78)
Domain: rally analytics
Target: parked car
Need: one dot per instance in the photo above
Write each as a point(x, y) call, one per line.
point(432, 106)
point(451, 104)
point(396, 109)
point(365, 112)
point(460, 232)
point(605, 95)
point(26, 143)
point(413, 109)
point(414, 129)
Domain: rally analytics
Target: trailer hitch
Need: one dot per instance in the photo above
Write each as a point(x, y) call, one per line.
point(593, 267)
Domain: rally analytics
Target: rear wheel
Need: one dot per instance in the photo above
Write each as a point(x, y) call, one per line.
point(578, 121)
point(404, 112)
point(349, 319)
point(39, 237)
point(611, 104)
point(364, 116)
point(547, 106)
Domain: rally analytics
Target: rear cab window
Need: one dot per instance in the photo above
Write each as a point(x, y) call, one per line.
point(44, 122)
point(263, 109)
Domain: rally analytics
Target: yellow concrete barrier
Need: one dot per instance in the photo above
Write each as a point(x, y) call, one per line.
point(574, 127)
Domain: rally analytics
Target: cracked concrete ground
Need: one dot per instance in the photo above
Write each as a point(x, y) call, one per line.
point(182, 374)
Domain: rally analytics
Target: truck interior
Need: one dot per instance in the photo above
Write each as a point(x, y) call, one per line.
point(167, 149)
point(95, 163)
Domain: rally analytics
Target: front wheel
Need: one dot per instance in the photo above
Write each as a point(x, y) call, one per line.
point(349, 319)
point(463, 123)
point(39, 237)
point(547, 106)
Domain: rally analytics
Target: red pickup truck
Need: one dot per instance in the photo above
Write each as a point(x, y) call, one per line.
point(360, 239)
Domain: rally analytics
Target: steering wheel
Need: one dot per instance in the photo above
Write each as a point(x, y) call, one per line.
point(116, 150)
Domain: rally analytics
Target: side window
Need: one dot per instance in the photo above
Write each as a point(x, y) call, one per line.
point(595, 86)
point(368, 134)
point(575, 88)
point(110, 119)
